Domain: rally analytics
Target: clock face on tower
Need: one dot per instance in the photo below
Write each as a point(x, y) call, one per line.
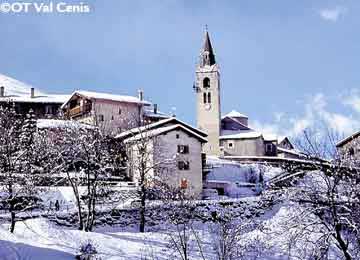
point(208, 106)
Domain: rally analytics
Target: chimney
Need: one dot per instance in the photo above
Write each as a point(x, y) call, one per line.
point(173, 111)
point(141, 95)
point(155, 108)
point(32, 95)
point(2, 91)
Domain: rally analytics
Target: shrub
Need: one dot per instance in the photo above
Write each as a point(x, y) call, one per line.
point(87, 251)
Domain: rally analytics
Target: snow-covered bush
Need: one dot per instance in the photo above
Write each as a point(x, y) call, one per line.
point(87, 251)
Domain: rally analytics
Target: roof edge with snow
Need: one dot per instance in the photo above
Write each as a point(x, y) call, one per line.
point(106, 96)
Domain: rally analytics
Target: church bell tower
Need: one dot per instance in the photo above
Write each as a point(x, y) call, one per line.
point(207, 90)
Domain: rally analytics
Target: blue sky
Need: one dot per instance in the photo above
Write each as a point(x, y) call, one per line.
point(286, 64)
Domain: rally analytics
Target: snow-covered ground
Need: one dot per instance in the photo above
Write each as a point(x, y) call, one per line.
point(239, 179)
point(41, 239)
point(233, 171)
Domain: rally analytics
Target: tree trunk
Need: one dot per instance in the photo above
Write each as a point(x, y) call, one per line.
point(142, 208)
point(93, 213)
point(142, 215)
point(342, 244)
point(78, 204)
point(89, 197)
point(142, 196)
point(11, 209)
point(80, 217)
point(12, 224)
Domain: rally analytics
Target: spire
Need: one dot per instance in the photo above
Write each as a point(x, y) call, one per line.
point(207, 52)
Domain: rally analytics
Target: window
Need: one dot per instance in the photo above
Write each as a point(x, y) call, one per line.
point(112, 117)
point(49, 110)
point(183, 183)
point(183, 165)
point(184, 149)
point(177, 136)
point(230, 145)
point(101, 118)
point(120, 111)
point(209, 97)
point(206, 83)
point(204, 98)
point(351, 151)
point(269, 148)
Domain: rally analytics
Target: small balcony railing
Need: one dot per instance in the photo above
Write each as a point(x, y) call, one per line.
point(79, 110)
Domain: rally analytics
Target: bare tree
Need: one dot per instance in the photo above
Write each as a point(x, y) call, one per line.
point(328, 197)
point(88, 158)
point(148, 164)
point(184, 239)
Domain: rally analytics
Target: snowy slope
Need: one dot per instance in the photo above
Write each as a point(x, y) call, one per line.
point(15, 87)
point(40, 239)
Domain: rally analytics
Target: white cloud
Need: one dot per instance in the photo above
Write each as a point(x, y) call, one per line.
point(317, 115)
point(332, 14)
point(353, 102)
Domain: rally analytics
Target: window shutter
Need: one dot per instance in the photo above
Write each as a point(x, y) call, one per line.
point(184, 183)
point(186, 149)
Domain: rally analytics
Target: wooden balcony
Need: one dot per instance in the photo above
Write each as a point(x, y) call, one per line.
point(79, 110)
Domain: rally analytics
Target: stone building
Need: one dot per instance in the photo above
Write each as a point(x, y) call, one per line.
point(229, 135)
point(173, 154)
point(112, 113)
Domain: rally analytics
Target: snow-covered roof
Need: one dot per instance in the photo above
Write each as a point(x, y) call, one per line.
point(107, 96)
point(282, 138)
point(57, 124)
point(347, 139)
point(242, 134)
point(235, 113)
point(158, 114)
point(59, 99)
point(17, 91)
point(292, 151)
point(162, 130)
point(161, 123)
point(14, 87)
point(270, 137)
point(237, 122)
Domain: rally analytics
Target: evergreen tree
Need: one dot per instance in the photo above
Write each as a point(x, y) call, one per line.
point(10, 157)
point(28, 129)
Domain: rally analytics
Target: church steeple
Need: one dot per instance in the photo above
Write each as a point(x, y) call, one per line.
point(207, 86)
point(207, 56)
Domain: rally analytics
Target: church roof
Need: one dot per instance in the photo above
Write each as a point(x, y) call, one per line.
point(209, 59)
point(207, 43)
point(235, 113)
point(242, 134)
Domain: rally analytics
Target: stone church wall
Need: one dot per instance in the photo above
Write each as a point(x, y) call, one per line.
point(244, 147)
